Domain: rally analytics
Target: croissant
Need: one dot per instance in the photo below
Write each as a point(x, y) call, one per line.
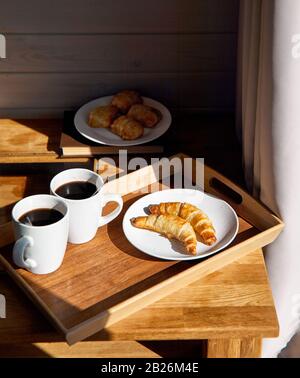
point(103, 116)
point(148, 116)
point(171, 226)
point(127, 128)
point(198, 219)
point(125, 99)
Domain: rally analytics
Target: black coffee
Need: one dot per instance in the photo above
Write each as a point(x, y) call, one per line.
point(41, 217)
point(77, 190)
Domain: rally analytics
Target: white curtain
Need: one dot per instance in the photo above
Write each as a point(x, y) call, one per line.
point(268, 119)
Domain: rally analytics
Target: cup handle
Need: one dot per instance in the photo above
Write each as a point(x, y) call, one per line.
point(19, 252)
point(111, 198)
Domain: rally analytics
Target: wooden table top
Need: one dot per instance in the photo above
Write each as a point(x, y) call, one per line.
point(31, 141)
point(235, 301)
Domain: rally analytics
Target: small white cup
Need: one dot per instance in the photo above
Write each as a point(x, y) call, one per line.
point(86, 214)
point(40, 249)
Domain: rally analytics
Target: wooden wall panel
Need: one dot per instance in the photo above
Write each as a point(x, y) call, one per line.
point(120, 53)
point(207, 90)
point(72, 90)
point(118, 16)
point(61, 53)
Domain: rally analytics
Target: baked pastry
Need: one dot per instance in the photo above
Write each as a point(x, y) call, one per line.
point(171, 226)
point(127, 128)
point(103, 116)
point(125, 99)
point(148, 116)
point(197, 218)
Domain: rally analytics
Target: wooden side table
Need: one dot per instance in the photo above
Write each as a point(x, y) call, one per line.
point(231, 309)
point(225, 314)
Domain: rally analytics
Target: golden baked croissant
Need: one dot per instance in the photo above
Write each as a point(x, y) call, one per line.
point(171, 226)
point(127, 128)
point(103, 116)
point(148, 116)
point(125, 99)
point(198, 219)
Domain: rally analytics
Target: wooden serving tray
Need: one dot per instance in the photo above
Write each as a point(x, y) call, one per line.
point(107, 279)
point(72, 143)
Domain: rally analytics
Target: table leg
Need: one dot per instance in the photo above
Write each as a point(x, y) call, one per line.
point(234, 348)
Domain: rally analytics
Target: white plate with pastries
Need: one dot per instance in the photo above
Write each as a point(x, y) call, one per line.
point(203, 219)
point(107, 132)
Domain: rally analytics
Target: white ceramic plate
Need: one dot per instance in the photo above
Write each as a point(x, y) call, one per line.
point(105, 136)
point(220, 212)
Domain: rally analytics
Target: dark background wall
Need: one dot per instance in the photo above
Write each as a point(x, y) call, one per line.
point(62, 53)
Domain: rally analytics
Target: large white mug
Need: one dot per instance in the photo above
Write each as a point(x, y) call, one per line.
point(40, 249)
point(86, 214)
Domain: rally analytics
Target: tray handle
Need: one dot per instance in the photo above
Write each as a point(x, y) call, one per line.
point(219, 185)
point(225, 190)
point(246, 206)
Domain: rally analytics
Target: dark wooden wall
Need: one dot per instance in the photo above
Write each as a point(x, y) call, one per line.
point(62, 53)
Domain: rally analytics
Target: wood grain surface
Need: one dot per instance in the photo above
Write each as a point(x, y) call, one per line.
point(31, 137)
point(234, 348)
point(232, 303)
point(32, 141)
point(235, 301)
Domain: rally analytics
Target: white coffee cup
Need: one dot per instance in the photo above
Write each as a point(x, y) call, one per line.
point(40, 249)
point(86, 214)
